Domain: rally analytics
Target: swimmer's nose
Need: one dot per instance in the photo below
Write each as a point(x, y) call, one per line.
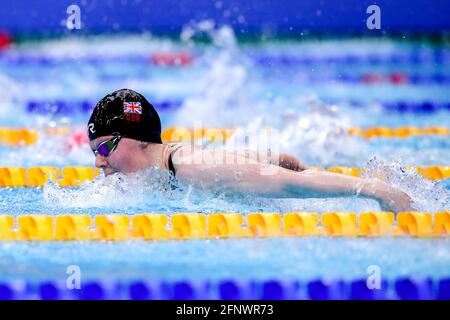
point(100, 162)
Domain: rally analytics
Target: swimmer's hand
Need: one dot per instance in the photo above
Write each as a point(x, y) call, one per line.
point(393, 199)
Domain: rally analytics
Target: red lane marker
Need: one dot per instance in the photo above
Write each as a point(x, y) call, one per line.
point(398, 78)
point(171, 59)
point(394, 78)
point(5, 39)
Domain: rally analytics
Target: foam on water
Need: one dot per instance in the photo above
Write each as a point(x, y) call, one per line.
point(427, 195)
point(114, 191)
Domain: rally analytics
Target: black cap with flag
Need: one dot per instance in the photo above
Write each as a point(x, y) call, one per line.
point(126, 112)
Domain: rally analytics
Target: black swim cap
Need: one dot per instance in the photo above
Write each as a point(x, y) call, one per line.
point(127, 112)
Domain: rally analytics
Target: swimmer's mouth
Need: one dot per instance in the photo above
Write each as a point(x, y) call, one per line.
point(109, 172)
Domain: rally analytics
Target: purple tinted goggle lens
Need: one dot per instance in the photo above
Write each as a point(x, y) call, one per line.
point(107, 147)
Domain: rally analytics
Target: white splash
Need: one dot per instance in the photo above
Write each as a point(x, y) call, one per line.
point(317, 136)
point(223, 95)
point(427, 195)
point(142, 188)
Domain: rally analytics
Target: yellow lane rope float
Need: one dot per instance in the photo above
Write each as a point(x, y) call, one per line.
point(185, 226)
point(402, 132)
point(24, 137)
point(75, 176)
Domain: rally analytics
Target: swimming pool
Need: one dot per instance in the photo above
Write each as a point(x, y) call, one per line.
point(311, 91)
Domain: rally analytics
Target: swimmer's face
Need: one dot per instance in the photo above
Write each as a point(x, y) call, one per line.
point(126, 158)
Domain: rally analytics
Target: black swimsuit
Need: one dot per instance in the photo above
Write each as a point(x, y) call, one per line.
point(171, 167)
point(170, 162)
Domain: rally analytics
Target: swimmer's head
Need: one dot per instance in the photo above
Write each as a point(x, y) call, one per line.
point(120, 127)
point(128, 113)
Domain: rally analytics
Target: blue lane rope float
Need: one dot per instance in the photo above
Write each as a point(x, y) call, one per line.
point(400, 289)
point(412, 57)
point(437, 56)
point(86, 106)
point(185, 226)
point(416, 107)
point(172, 59)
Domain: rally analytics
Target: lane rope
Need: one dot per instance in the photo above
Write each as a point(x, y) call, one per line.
point(86, 106)
point(184, 226)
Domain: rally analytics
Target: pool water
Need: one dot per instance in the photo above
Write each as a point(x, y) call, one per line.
point(311, 91)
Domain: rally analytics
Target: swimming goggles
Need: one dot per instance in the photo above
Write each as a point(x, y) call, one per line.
point(107, 147)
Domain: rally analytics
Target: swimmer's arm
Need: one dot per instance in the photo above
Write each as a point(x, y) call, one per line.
point(259, 179)
point(327, 184)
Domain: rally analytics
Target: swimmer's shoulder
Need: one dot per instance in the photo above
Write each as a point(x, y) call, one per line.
point(173, 146)
point(171, 151)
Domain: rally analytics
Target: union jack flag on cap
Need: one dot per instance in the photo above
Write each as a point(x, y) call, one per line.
point(132, 107)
